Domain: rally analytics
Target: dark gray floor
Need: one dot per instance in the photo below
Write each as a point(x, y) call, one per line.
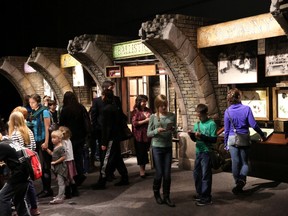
point(265, 197)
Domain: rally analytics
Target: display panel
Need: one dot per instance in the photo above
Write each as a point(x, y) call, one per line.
point(280, 100)
point(258, 101)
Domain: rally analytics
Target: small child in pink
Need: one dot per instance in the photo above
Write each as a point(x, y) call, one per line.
point(71, 189)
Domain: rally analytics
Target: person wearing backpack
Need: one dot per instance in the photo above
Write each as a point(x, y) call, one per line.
point(17, 184)
point(20, 133)
point(40, 119)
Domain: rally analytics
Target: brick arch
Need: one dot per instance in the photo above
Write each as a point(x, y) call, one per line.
point(184, 65)
point(51, 71)
point(12, 68)
point(93, 59)
point(94, 52)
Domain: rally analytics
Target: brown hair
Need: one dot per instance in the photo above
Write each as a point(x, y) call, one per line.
point(21, 109)
point(234, 96)
point(160, 100)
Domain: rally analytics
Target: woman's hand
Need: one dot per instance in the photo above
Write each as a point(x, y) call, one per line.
point(161, 129)
point(263, 139)
point(44, 146)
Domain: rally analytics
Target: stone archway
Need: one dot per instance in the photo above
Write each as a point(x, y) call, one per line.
point(94, 52)
point(13, 69)
point(48, 65)
point(183, 62)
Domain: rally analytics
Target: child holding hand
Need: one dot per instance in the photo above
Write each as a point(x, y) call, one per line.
point(71, 189)
point(58, 165)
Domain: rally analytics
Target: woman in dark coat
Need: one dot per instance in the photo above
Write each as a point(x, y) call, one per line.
point(72, 115)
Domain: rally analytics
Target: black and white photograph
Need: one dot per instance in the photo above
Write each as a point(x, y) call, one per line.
point(238, 67)
point(276, 60)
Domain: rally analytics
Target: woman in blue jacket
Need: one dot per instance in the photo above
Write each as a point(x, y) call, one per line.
point(238, 117)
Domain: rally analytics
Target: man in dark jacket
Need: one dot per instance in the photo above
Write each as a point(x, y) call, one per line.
point(110, 143)
point(16, 186)
point(97, 118)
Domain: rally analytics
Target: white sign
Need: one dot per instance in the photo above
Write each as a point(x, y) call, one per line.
point(78, 76)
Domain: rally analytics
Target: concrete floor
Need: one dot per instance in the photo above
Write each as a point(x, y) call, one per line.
point(265, 197)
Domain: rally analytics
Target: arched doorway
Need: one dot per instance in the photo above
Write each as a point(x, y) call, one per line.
point(9, 98)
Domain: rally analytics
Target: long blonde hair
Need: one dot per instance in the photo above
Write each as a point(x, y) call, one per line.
point(17, 122)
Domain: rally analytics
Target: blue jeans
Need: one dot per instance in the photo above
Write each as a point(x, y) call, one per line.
point(162, 162)
point(31, 195)
point(203, 175)
point(17, 192)
point(240, 168)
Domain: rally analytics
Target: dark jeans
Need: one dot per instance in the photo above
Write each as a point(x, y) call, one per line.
point(31, 194)
point(115, 161)
point(162, 162)
point(45, 160)
point(17, 192)
point(240, 167)
point(203, 175)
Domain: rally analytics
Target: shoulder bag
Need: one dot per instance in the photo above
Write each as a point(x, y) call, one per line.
point(240, 139)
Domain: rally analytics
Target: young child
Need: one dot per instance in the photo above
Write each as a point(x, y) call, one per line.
point(71, 189)
point(204, 136)
point(58, 165)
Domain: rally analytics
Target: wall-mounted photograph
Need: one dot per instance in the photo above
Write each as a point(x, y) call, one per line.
point(280, 100)
point(276, 61)
point(237, 67)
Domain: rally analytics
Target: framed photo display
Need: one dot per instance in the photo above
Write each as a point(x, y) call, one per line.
point(280, 100)
point(258, 100)
point(276, 60)
point(239, 67)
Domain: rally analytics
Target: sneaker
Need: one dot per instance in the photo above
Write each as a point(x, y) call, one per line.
point(203, 202)
point(57, 200)
point(197, 197)
point(34, 212)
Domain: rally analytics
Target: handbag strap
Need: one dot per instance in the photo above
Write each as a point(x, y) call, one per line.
point(231, 121)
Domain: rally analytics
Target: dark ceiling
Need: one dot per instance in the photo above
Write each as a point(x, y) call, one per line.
point(52, 23)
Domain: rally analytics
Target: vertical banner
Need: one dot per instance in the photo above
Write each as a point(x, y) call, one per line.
point(78, 76)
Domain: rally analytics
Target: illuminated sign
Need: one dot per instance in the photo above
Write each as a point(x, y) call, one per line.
point(113, 71)
point(246, 29)
point(141, 70)
point(68, 61)
point(130, 49)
